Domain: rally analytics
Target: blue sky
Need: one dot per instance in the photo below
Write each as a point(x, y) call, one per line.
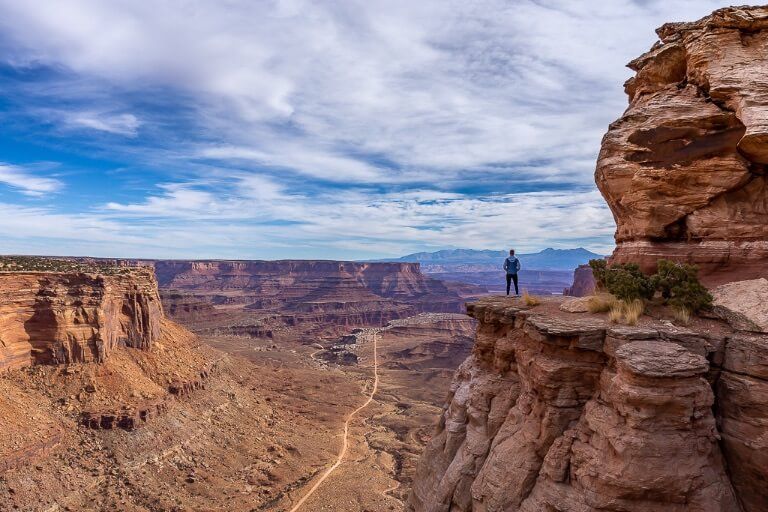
point(297, 129)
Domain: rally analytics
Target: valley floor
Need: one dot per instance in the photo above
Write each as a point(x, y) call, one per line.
point(256, 435)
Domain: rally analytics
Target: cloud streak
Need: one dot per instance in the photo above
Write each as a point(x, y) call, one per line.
point(120, 124)
point(27, 182)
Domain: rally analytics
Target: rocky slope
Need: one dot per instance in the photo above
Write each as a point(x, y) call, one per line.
point(562, 411)
point(59, 318)
point(683, 169)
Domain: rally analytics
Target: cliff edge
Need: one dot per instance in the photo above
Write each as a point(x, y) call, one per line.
point(62, 317)
point(566, 411)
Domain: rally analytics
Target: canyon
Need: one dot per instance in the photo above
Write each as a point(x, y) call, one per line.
point(154, 385)
point(298, 299)
point(139, 413)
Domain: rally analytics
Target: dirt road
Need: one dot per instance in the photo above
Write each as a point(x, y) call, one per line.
point(345, 443)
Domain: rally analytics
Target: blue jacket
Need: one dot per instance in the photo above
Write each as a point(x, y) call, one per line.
point(512, 265)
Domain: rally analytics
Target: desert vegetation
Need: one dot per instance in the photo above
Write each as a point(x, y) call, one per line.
point(530, 300)
point(47, 264)
point(600, 302)
point(623, 290)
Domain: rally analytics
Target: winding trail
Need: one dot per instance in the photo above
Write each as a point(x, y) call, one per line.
point(345, 443)
point(312, 355)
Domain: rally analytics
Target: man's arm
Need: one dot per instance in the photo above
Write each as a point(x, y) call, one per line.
point(506, 264)
point(517, 264)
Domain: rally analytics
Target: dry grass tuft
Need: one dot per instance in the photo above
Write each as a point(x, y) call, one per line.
point(628, 313)
point(600, 303)
point(530, 300)
point(682, 315)
point(615, 312)
point(633, 311)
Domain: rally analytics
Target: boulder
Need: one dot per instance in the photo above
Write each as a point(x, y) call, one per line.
point(743, 304)
point(576, 305)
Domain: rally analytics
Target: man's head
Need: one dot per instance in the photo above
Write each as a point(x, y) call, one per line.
point(511, 252)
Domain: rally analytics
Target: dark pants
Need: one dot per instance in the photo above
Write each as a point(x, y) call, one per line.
point(512, 278)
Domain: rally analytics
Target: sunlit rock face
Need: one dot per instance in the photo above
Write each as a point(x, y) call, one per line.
point(684, 168)
point(60, 318)
point(561, 411)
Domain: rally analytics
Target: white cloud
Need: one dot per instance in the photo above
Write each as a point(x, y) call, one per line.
point(302, 160)
point(121, 124)
point(443, 85)
point(370, 122)
point(27, 182)
point(389, 223)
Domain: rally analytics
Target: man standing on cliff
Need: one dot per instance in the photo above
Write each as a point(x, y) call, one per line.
point(512, 266)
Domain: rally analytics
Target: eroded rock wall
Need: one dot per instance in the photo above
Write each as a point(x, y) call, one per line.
point(558, 411)
point(288, 279)
point(583, 282)
point(59, 318)
point(315, 297)
point(683, 170)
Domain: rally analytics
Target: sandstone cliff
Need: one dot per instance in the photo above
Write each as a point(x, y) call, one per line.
point(289, 279)
point(683, 169)
point(59, 318)
point(583, 282)
point(567, 412)
point(265, 298)
point(86, 348)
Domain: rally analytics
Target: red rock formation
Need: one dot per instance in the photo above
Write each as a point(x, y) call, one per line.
point(327, 294)
point(57, 318)
point(683, 170)
point(292, 279)
point(184, 307)
point(563, 411)
point(583, 282)
point(129, 418)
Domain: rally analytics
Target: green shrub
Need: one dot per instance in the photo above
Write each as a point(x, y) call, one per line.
point(680, 287)
point(626, 282)
point(599, 267)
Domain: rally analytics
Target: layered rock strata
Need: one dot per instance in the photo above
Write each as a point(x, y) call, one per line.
point(320, 297)
point(127, 418)
point(558, 411)
point(59, 318)
point(683, 169)
point(307, 284)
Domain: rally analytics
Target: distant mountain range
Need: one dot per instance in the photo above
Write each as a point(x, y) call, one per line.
point(548, 259)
